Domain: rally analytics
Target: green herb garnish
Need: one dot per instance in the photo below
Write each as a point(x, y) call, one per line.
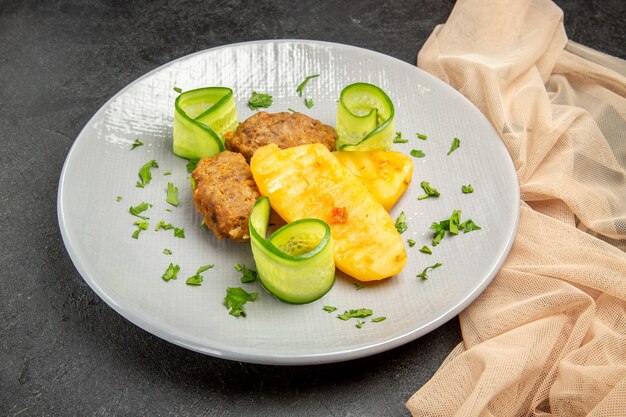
point(455, 144)
point(191, 165)
point(118, 198)
point(440, 231)
point(179, 232)
point(430, 191)
point(145, 174)
point(401, 225)
point(178, 90)
point(172, 194)
point(358, 286)
point(411, 242)
point(137, 143)
point(235, 299)
point(359, 324)
point(426, 249)
point(360, 313)
point(417, 153)
point(291, 110)
point(468, 225)
point(197, 279)
point(330, 309)
point(398, 138)
point(167, 251)
point(455, 220)
point(304, 83)
point(171, 272)
point(308, 102)
point(167, 173)
point(141, 226)
point(140, 209)
point(423, 274)
point(421, 136)
point(467, 189)
point(258, 100)
point(379, 319)
point(247, 275)
point(163, 225)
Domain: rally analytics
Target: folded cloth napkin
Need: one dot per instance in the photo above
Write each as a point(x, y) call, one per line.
point(548, 336)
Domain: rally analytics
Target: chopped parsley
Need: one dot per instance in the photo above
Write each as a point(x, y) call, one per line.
point(358, 286)
point(172, 194)
point(398, 138)
point(304, 83)
point(247, 275)
point(166, 251)
point(171, 272)
point(235, 299)
point(118, 198)
point(455, 220)
point(191, 165)
point(411, 242)
point(421, 136)
point(468, 225)
point(145, 174)
point(197, 279)
point(167, 173)
point(258, 100)
point(140, 208)
point(440, 231)
point(423, 274)
point(456, 142)
point(193, 183)
point(168, 209)
point(137, 143)
point(379, 319)
point(330, 309)
point(425, 249)
point(359, 324)
point(467, 189)
point(163, 225)
point(141, 226)
point(308, 102)
point(179, 232)
point(401, 225)
point(291, 110)
point(350, 314)
point(430, 191)
point(178, 90)
point(417, 153)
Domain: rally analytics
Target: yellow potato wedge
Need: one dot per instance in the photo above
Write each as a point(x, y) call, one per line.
point(309, 182)
point(386, 174)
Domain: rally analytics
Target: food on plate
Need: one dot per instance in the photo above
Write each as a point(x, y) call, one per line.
point(296, 262)
point(225, 193)
point(386, 174)
point(307, 181)
point(282, 129)
point(365, 119)
point(201, 119)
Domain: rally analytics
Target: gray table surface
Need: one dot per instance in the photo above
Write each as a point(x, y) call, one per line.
point(62, 350)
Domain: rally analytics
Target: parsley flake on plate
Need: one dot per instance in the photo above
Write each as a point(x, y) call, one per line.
point(137, 143)
point(171, 272)
point(430, 191)
point(411, 242)
point(398, 138)
point(163, 225)
point(178, 90)
point(141, 226)
point(172, 194)
point(166, 251)
point(379, 319)
point(401, 224)
point(308, 102)
point(118, 198)
point(258, 100)
point(247, 274)
point(358, 286)
point(468, 225)
point(197, 279)
point(467, 189)
point(417, 153)
point(456, 142)
point(235, 299)
point(330, 309)
point(423, 274)
point(191, 165)
point(179, 232)
point(304, 83)
point(359, 324)
point(425, 249)
point(455, 220)
point(421, 136)
point(140, 208)
point(359, 313)
point(145, 174)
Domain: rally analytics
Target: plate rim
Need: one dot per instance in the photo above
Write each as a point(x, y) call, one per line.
point(340, 355)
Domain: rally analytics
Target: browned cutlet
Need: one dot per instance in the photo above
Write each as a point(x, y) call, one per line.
point(284, 129)
point(225, 193)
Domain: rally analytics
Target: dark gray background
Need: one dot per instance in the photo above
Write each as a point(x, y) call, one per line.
point(63, 351)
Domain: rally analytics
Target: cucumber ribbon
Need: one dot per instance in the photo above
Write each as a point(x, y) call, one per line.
point(365, 119)
point(296, 263)
point(201, 119)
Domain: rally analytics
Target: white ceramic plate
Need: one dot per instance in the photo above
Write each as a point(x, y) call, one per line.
point(126, 273)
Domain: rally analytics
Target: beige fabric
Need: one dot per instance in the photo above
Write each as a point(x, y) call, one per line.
point(548, 336)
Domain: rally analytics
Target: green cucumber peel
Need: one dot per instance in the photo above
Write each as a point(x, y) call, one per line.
point(365, 119)
point(201, 119)
point(296, 263)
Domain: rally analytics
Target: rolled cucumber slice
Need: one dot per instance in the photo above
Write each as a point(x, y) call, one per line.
point(296, 263)
point(201, 119)
point(365, 119)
